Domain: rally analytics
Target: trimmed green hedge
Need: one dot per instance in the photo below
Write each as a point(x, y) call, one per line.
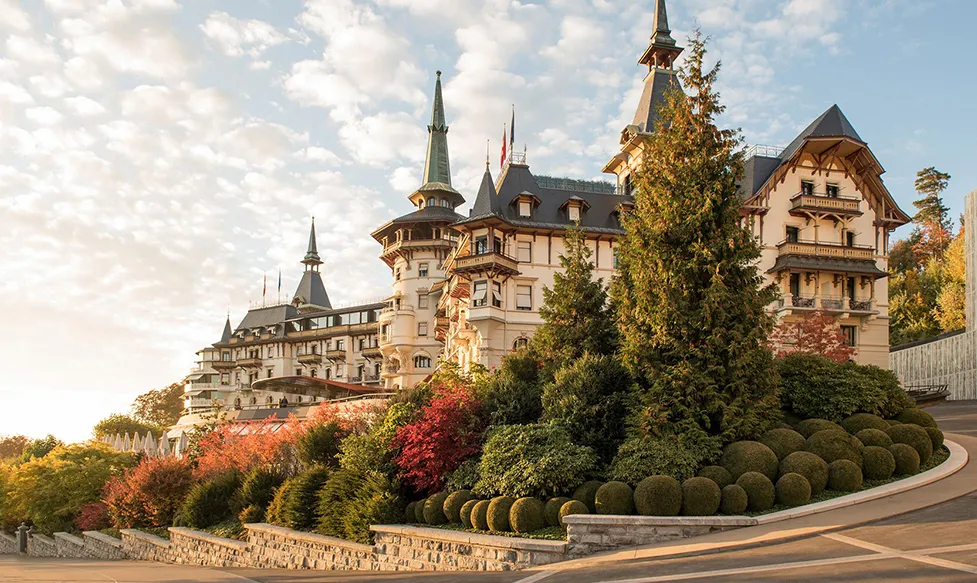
point(809, 465)
point(760, 491)
point(526, 515)
point(877, 463)
point(875, 437)
point(793, 490)
point(615, 498)
point(586, 493)
point(497, 515)
point(700, 497)
point(658, 496)
point(551, 510)
point(916, 417)
point(453, 504)
point(809, 427)
point(734, 500)
point(783, 441)
point(860, 421)
point(572, 507)
point(844, 476)
point(749, 456)
point(906, 457)
point(434, 509)
point(717, 474)
point(913, 435)
point(480, 515)
point(831, 445)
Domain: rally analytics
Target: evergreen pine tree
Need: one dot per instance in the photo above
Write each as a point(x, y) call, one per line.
point(933, 219)
point(575, 311)
point(689, 303)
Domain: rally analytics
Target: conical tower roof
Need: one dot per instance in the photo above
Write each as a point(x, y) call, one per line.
point(437, 167)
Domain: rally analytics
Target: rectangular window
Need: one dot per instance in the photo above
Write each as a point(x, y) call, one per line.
point(422, 301)
point(397, 274)
point(422, 328)
point(807, 187)
point(422, 269)
point(298, 372)
point(340, 345)
point(850, 238)
point(496, 294)
point(832, 190)
point(574, 213)
point(481, 245)
point(525, 208)
point(525, 251)
point(480, 294)
point(793, 234)
point(362, 343)
point(615, 258)
point(851, 335)
point(524, 297)
point(271, 371)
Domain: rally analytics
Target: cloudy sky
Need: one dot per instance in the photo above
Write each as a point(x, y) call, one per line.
point(157, 157)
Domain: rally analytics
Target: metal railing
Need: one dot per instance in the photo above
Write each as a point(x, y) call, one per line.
point(764, 151)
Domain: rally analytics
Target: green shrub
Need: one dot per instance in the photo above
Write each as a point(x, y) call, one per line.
point(480, 515)
point(734, 500)
point(936, 437)
point(258, 487)
point(915, 436)
point(409, 513)
point(791, 420)
point(678, 456)
point(916, 417)
point(614, 498)
point(497, 515)
point(465, 477)
point(658, 496)
point(831, 445)
point(717, 474)
point(273, 515)
point(760, 491)
point(513, 395)
point(434, 509)
point(809, 427)
point(783, 442)
point(700, 497)
point(813, 468)
point(877, 463)
point(251, 515)
point(572, 507)
point(531, 460)
point(894, 399)
point(587, 493)
point(844, 476)
point(335, 495)
point(319, 443)
point(906, 457)
point(209, 502)
point(466, 513)
point(419, 511)
point(551, 511)
point(453, 504)
point(793, 490)
point(892, 422)
point(749, 456)
point(300, 506)
point(874, 437)
point(376, 502)
point(526, 515)
point(860, 421)
point(591, 398)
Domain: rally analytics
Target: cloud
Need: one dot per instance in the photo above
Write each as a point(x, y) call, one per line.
point(239, 37)
point(13, 17)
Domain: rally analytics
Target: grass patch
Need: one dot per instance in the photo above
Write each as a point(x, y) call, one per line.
point(549, 533)
point(112, 532)
point(939, 456)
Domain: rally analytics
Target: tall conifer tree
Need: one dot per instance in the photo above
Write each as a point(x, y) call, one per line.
point(688, 296)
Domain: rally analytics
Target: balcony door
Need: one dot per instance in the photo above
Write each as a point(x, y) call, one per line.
point(793, 234)
point(795, 284)
point(851, 289)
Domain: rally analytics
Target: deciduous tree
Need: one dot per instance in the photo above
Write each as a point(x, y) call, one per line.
point(160, 407)
point(124, 424)
point(816, 333)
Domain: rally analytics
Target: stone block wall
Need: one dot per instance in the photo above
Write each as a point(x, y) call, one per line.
point(142, 546)
point(589, 533)
point(8, 544)
point(191, 547)
point(69, 546)
point(102, 546)
point(283, 548)
point(39, 545)
point(411, 548)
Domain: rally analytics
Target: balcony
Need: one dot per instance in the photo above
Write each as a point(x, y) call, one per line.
point(492, 263)
point(371, 378)
point(372, 352)
point(249, 363)
point(338, 354)
point(826, 250)
point(224, 364)
point(310, 358)
point(442, 322)
point(819, 204)
point(828, 304)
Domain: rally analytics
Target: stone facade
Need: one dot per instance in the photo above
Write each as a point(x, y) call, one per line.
point(283, 548)
point(587, 533)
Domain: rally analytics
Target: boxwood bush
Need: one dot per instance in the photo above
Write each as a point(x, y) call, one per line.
point(860, 421)
point(831, 445)
point(760, 491)
point(793, 490)
point(783, 441)
point(614, 498)
point(734, 500)
point(700, 497)
point(717, 474)
point(877, 463)
point(453, 504)
point(587, 493)
point(526, 515)
point(678, 456)
point(480, 515)
point(936, 437)
point(809, 465)
point(551, 510)
point(916, 417)
point(434, 509)
point(466, 513)
point(497, 514)
point(906, 457)
point(749, 456)
point(874, 437)
point(809, 427)
point(913, 435)
point(844, 476)
point(658, 496)
point(572, 507)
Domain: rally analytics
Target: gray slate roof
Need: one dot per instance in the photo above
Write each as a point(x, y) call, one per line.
point(264, 317)
point(600, 217)
point(429, 214)
point(227, 330)
point(657, 83)
point(312, 290)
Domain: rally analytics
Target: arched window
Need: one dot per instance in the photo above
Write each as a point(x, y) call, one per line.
point(254, 400)
point(315, 373)
point(268, 399)
point(421, 361)
point(445, 203)
point(520, 343)
point(432, 202)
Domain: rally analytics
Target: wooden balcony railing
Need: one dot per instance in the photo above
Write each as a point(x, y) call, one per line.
point(823, 203)
point(489, 262)
point(832, 250)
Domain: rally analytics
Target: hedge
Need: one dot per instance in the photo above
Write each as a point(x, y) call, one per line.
point(793, 490)
point(760, 491)
point(700, 497)
point(658, 496)
point(526, 515)
point(749, 456)
point(614, 498)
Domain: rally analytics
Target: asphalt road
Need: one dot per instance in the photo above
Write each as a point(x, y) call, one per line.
point(932, 545)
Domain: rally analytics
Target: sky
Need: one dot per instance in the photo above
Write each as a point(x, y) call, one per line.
point(159, 157)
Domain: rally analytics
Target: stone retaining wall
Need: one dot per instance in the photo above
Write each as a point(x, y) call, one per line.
point(590, 533)
point(412, 548)
point(283, 548)
point(8, 544)
point(102, 546)
point(143, 546)
point(39, 545)
point(191, 547)
point(69, 546)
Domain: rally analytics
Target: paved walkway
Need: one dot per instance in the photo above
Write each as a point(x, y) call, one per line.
point(928, 535)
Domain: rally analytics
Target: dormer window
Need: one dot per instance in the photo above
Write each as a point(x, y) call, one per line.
point(432, 201)
point(575, 207)
point(573, 213)
point(807, 188)
point(525, 202)
point(525, 208)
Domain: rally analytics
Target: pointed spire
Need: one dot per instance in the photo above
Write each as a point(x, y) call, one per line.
point(437, 170)
point(312, 260)
point(662, 34)
point(662, 50)
point(226, 335)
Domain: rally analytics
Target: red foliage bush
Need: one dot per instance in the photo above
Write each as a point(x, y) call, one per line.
point(355, 417)
point(446, 432)
point(94, 516)
point(148, 494)
point(815, 333)
point(242, 447)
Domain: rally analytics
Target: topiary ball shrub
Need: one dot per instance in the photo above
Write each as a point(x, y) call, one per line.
point(760, 491)
point(586, 493)
point(793, 490)
point(809, 427)
point(497, 515)
point(915, 436)
point(465, 514)
point(614, 498)
point(844, 476)
point(749, 456)
point(526, 515)
point(409, 513)
point(700, 497)
point(419, 511)
point(480, 515)
point(874, 437)
point(658, 496)
point(434, 509)
point(783, 442)
point(860, 421)
point(734, 500)
point(831, 445)
point(717, 474)
point(877, 463)
point(809, 465)
point(916, 417)
point(251, 514)
point(551, 510)
point(906, 458)
point(892, 422)
point(453, 504)
point(572, 507)
point(936, 437)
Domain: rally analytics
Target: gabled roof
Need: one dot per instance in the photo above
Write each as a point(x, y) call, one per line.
point(312, 291)
point(831, 124)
